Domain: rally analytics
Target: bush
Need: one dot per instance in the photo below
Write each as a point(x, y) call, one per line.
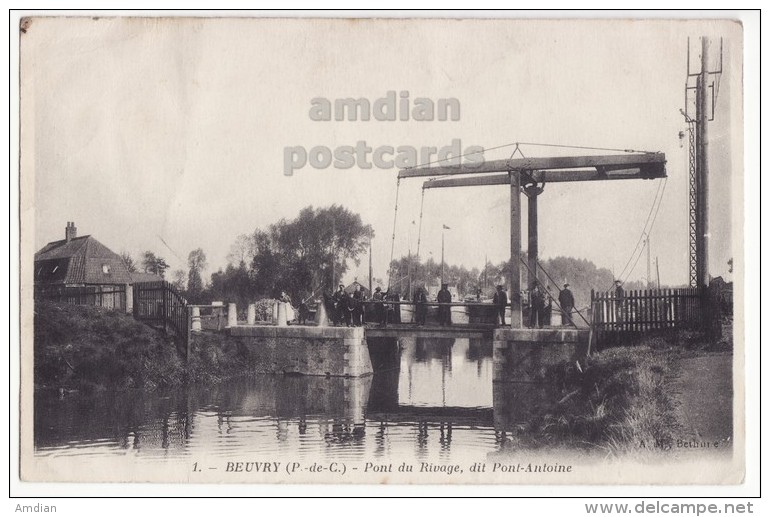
point(83, 347)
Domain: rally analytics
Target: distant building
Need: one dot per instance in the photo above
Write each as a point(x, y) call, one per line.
point(82, 270)
point(352, 287)
point(723, 293)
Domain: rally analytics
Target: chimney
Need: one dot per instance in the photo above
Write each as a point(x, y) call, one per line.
point(70, 232)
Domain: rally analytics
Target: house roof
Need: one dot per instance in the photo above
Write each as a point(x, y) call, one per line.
point(82, 260)
point(352, 287)
point(140, 276)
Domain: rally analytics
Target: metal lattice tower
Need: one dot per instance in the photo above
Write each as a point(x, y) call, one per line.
point(704, 90)
point(693, 204)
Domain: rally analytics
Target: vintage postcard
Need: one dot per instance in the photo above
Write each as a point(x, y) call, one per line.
point(381, 251)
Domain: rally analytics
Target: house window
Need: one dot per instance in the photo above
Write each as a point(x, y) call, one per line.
point(106, 269)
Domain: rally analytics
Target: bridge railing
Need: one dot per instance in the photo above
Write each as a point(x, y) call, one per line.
point(475, 312)
point(159, 303)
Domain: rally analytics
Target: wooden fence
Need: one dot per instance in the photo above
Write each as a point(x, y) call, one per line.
point(616, 319)
point(160, 304)
point(107, 296)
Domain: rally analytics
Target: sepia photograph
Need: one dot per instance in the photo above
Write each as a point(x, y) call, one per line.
point(371, 251)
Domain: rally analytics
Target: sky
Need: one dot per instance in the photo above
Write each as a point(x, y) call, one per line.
point(171, 134)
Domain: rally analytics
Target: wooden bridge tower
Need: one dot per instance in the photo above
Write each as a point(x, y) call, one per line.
point(529, 175)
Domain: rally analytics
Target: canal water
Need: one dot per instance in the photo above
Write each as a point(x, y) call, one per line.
point(437, 401)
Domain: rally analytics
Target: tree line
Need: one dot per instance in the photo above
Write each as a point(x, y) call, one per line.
point(311, 253)
point(301, 256)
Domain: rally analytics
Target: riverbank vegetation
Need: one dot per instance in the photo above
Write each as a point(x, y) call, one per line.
point(87, 348)
point(621, 402)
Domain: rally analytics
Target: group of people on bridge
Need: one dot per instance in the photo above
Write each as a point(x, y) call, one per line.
point(540, 307)
point(354, 308)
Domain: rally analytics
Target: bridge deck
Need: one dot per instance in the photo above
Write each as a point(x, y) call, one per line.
point(546, 334)
point(431, 331)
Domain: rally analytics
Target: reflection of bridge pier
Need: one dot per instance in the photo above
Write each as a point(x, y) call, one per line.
point(427, 390)
point(517, 404)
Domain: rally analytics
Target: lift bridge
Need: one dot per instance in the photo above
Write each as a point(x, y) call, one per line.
point(529, 176)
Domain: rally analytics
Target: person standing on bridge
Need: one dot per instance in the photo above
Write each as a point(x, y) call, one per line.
point(619, 301)
point(567, 302)
point(536, 307)
point(548, 311)
point(380, 312)
point(341, 305)
point(420, 309)
point(444, 311)
point(500, 299)
point(358, 306)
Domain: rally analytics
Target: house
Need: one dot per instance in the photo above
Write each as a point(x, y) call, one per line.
point(82, 270)
point(352, 287)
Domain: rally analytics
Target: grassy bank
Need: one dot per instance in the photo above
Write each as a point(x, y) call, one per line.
point(623, 402)
point(88, 348)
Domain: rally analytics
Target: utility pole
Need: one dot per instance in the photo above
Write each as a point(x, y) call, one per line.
point(370, 266)
point(442, 254)
point(705, 94)
point(649, 276)
point(703, 167)
point(515, 269)
point(657, 269)
point(334, 255)
point(409, 270)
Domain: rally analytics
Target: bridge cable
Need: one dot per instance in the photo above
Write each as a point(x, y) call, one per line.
point(393, 239)
point(651, 217)
point(646, 230)
point(656, 201)
point(647, 234)
point(419, 228)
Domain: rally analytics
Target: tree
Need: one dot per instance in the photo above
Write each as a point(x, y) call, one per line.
point(196, 261)
point(154, 264)
point(309, 253)
point(179, 278)
point(128, 261)
point(234, 284)
point(242, 251)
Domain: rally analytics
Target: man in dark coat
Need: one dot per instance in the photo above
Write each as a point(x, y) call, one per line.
point(420, 309)
point(548, 311)
point(358, 306)
point(536, 307)
point(341, 305)
point(619, 302)
point(567, 302)
point(500, 299)
point(444, 311)
point(380, 312)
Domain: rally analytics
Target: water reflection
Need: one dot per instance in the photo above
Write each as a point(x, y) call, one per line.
point(436, 398)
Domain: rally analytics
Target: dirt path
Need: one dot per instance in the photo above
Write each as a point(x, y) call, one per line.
point(705, 395)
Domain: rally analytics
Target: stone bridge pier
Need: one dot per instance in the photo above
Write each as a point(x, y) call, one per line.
point(525, 355)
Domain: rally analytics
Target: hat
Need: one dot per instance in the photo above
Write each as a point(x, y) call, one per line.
point(444, 285)
point(617, 281)
point(500, 286)
point(566, 284)
point(377, 288)
point(342, 285)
